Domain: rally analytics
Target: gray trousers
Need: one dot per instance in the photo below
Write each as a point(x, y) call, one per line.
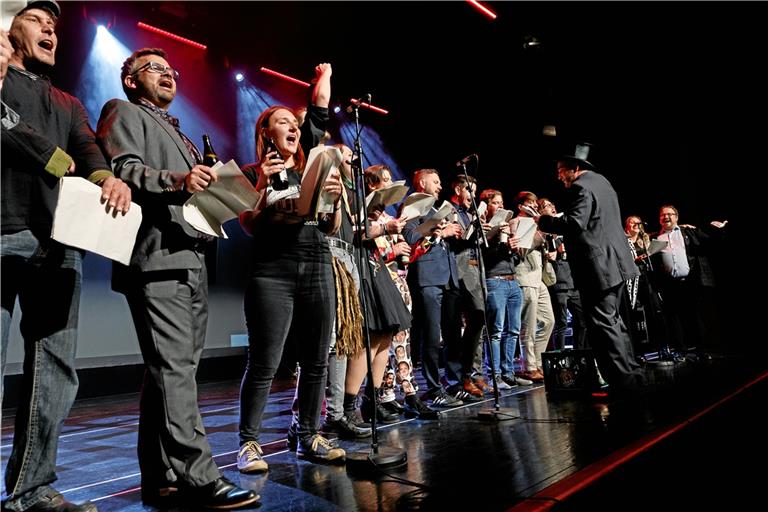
point(170, 313)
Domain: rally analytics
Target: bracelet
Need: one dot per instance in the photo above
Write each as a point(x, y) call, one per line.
point(384, 227)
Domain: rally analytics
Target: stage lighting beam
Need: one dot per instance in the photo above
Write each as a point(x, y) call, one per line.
point(170, 35)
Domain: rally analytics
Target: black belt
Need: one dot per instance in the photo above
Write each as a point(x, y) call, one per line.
point(509, 277)
point(340, 244)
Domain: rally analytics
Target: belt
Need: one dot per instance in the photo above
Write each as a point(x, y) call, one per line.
point(474, 263)
point(339, 244)
point(508, 277)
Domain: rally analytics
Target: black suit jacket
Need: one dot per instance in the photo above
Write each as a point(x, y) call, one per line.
point(598, 251)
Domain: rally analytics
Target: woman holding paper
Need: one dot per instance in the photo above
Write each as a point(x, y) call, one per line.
point(291, 284)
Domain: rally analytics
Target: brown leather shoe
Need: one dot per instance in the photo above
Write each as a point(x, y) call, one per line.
point(482, 384)
point(471, 388)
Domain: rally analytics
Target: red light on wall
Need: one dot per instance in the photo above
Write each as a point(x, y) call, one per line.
point(369, 106)
point(483, 9)
point(170, 35)
point(284, 77)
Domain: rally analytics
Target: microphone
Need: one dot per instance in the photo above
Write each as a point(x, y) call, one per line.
point(357, 102)
point(466, 159)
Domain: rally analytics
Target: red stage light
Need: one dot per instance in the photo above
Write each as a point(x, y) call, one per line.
point(170, 35)
point(285, 77)
point(483, 9)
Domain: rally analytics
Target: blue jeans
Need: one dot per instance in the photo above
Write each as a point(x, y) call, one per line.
point(505, 302)
point(46, 278)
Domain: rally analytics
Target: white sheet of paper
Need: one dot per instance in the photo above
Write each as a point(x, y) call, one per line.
point(499, 218)
point(481, 208)
point(8, 9)
point(416, 205)
point(222, 201)
point(385, 196)
point(320, 162)
point(80, 220)
point(656, 246)
point(427, 226)
point(526, 230)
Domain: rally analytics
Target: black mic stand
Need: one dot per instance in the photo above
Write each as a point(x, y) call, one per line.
point(378, 457)
point(664, 356)
point(480, 242)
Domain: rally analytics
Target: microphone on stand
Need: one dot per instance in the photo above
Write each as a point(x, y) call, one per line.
point(466, 159)
point(358, 102)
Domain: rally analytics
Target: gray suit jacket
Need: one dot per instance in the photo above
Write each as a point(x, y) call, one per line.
point(147, 153)
point(598, 251)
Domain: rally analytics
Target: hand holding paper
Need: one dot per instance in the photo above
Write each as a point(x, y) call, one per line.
point(222, 201)
point(81, 220)
point(428, 225)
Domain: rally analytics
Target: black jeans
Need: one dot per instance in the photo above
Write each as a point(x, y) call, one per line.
point(300, 300)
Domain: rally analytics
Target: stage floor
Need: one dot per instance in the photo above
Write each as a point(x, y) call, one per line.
point(692, 432)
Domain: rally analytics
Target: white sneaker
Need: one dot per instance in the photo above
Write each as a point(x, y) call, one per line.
point(249, 458)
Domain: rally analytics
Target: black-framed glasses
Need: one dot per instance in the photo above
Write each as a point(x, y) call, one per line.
point(636, 224)
point(156, 67)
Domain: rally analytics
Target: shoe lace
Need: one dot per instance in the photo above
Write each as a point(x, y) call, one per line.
point(320, 441)
point(251, 450)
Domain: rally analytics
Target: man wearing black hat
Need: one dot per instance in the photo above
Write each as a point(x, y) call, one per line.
point(601, 263)
point(45, 136)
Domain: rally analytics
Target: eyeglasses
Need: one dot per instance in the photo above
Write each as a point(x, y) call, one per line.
point(636, 224)
point(547, 205)
point(156, 67)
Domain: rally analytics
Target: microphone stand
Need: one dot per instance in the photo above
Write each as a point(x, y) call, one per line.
point(378, 457)
point(664, 356)
point(480, 242)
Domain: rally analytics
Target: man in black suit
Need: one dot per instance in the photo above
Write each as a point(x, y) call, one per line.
point(166, 284)
point(601, 263)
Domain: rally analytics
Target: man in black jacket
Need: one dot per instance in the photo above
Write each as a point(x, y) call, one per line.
point(601, 263)
point(45, 136)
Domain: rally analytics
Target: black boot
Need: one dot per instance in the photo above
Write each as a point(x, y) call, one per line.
point(382, 415)
point(415, 408)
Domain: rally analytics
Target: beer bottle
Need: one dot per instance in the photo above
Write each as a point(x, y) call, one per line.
point(209, 155)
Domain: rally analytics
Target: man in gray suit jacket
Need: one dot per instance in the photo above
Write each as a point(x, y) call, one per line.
point(601, 263)
point(166, 284)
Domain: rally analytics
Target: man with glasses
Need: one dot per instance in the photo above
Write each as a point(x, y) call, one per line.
point(684, 274)
point(45, 136)
point(601, 262)
point(166, 285)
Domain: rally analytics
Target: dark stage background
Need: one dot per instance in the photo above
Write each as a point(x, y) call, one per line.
point(667, 92)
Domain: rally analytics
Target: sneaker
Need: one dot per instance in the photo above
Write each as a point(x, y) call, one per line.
point(501, 384)
point(249, 458)
point(319, 449)
point(471, 388)
point(348, 426)
point(439, 398)
point(457, 392)
point(517, 381)
point(415, 408)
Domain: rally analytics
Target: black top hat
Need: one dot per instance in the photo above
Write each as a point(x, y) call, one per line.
point(580, 155)
point(51, 5)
